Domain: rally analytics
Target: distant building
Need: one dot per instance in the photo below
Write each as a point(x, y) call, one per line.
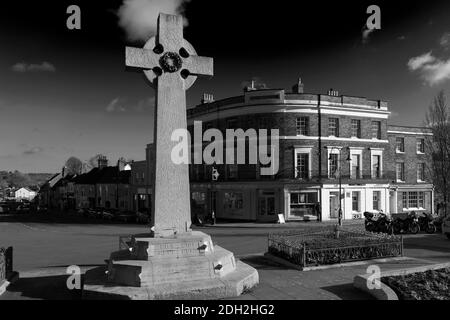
point(46, 195)
point(104, 187)
point(141, 192)
point(25, 194)
point(113, 189)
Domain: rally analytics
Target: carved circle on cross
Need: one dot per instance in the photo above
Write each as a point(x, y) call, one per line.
point(171, 62)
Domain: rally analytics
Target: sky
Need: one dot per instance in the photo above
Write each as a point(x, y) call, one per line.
point(67, 92)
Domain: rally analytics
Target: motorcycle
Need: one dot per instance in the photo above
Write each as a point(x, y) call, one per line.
point(426, 223)
point(381, 224)
point(409, 224)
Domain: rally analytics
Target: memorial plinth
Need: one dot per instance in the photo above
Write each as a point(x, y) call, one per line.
point(188, 266)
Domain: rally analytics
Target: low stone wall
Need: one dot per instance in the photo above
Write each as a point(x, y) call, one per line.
point(6, 267)
point(384, 292)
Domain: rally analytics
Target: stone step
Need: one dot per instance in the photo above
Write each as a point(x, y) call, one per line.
point(242, 279)
point(163, 270)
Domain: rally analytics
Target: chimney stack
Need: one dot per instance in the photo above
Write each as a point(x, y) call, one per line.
point(102, 162)
point(333, 93)
point(207, 98)
point(252, 88)
point(299, 87)
point(121, 163)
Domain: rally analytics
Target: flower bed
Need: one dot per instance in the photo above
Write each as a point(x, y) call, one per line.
point(428, 285)
point(321, 247)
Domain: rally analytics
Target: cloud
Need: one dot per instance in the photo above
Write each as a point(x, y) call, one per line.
point(433, 70)
point(119, 105)
point(418, 62)
point(445, 41)
point(366, 32)
point(23, 67)
point(145, 105)
point(32, 151)
point(139, 17)
point(115, 106)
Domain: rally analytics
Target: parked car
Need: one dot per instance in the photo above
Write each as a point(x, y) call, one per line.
point(41, 209)
point(109, 214)
point(24, 208)
point(446, 226)
point(126, 216)
point(92, 213)
point(4, 208)
point(142, 217)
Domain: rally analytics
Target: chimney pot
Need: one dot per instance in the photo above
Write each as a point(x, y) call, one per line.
point(298, 87)
point(207, 98)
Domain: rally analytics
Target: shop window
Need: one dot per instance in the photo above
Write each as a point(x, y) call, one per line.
point(233, 201)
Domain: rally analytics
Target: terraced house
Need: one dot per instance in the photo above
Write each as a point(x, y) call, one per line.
point(328, 143)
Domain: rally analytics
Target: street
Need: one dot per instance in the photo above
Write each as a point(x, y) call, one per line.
point(42, 245)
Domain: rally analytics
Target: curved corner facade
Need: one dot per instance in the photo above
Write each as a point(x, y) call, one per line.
point(327, 142)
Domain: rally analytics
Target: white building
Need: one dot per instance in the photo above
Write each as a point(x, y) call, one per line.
point(25, 194)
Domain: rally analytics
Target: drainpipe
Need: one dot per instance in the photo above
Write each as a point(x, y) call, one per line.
point(319, 116)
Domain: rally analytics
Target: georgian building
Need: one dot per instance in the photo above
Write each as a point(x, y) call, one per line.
point(327, 143)
point(412, 189)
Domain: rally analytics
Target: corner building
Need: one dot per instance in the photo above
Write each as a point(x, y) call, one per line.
point(328, 142)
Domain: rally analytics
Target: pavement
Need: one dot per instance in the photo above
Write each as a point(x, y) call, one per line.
point(43, 249)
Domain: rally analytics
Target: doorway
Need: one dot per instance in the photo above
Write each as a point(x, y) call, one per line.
point(266, 206)
point(334, 205)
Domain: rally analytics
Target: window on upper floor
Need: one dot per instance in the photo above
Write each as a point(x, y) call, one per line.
point(302, 126)
point(376, 166)
point(333, 127)
point(356, 128)
point(421, 172)
point(420, 145)
point(302, 166)
point(376, 129)
point(355, 172)
point(400, 171)
point(333, 165)
point(400, 144)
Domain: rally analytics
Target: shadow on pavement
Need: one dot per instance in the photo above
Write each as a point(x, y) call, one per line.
point(41, 288)
point(59, 219)
point(348, 292)
point(262, 263)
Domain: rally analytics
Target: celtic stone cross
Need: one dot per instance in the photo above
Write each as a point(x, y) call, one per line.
point(171, 65)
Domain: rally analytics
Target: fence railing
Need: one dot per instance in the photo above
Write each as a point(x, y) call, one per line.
point(321, 248)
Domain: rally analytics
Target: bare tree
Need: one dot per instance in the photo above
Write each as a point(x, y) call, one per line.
point(74, 165)
point(438, 146)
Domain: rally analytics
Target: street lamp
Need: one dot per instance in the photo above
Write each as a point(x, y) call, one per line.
point(339, 161)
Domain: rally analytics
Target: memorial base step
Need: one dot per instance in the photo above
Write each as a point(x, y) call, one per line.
point(241, 280)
